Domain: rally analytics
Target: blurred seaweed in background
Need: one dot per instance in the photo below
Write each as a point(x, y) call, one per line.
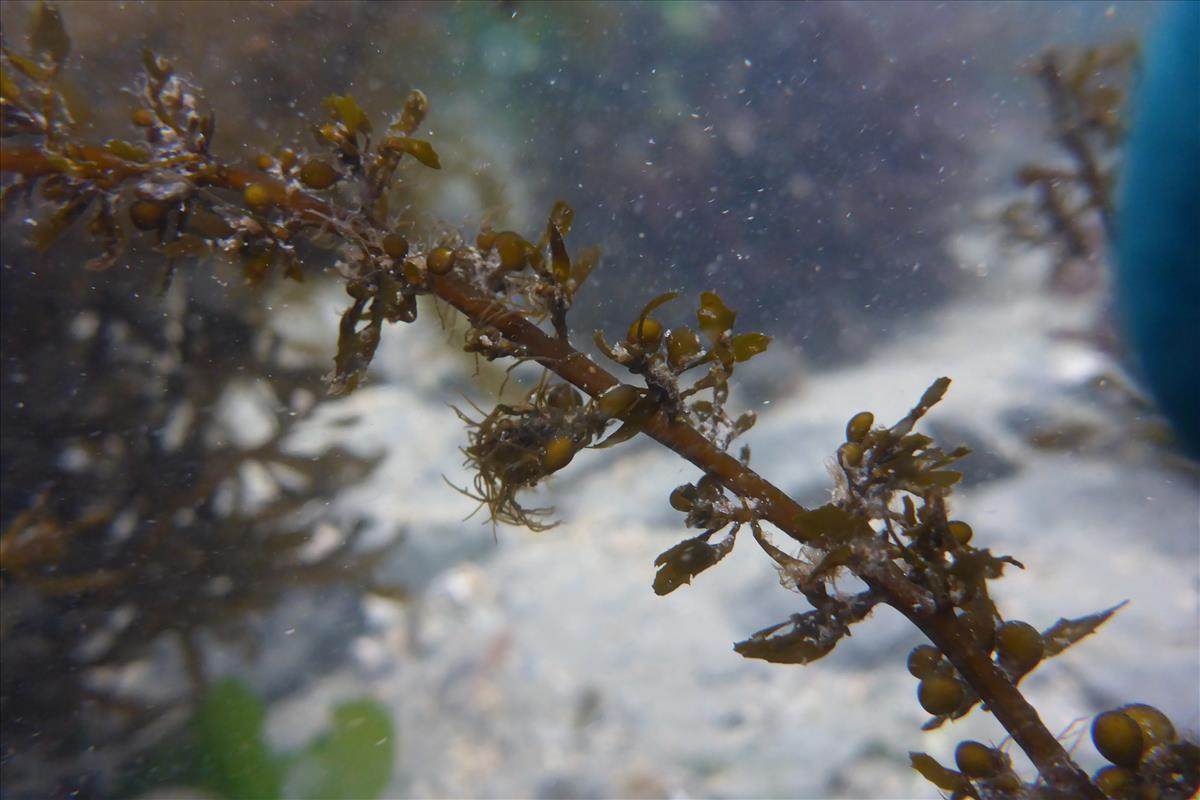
point(1068, 205)
point(223, 751)
point(150, 497)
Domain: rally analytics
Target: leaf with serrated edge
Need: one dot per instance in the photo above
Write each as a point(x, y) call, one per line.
point(793, 647)
point(678, 565)
point(747, 345)
point(560, 262)
point(1066, 632)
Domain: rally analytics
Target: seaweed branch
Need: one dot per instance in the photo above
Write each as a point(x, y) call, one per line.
point(887, 524)
point(1072, 205)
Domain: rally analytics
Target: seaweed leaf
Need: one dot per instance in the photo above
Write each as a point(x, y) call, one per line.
point(107, 233)
point(419, 149)
point(813, 634)
point(665, 297)
point(9, 90)
point(355, 347)
point(355, 759)
point(156, 66)
point(415, 109)
point(635, 416)
point(562, 216)
point(832, 525)
point(678, 565)
point(585, 261)
point(128, 151)
point(345, 110)
point(938, 775)
point(747, 345)
point(833, 560)
point(929, 399)
point(714, 316)
point(787, 564)
point(228, 731)
point(801, 645)
point(27, 66)
point(48, 35)
point(1066, 632)
point(560, 262)
point(743, 423)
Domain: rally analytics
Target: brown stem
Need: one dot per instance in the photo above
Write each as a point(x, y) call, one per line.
point(770, 503)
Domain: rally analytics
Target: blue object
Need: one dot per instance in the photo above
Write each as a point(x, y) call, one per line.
point(1158, 227)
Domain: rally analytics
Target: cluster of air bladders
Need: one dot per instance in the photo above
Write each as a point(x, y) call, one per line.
point(1149, 760)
